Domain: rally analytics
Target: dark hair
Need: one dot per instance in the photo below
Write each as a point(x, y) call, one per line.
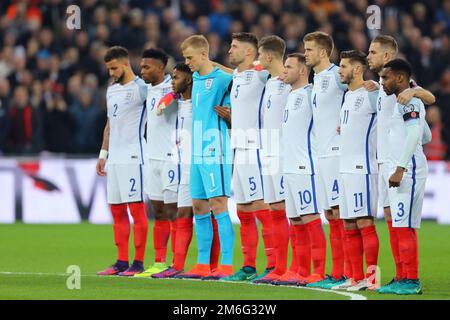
point(116, 52)
point(246, 37)
point(387, 42)
point(300, 57)
point(322, 39)
point(157, 54)
point(182, 67)
point(273, 44)
point(355, 56)
point(400, 66)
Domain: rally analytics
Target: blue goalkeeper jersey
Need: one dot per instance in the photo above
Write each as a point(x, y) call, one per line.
point(209, 132)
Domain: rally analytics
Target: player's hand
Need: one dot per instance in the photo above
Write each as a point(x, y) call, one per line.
point(165, 102)
point(101, 167)
point(338, 129)
point(257, 65)
point(371, 85)
point(396, 178)
point(223, 112)
point(405, 96)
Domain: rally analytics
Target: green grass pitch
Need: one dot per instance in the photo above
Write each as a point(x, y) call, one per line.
point(34, 260)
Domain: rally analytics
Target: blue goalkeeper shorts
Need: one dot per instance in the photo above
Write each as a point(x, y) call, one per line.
point(209, 178)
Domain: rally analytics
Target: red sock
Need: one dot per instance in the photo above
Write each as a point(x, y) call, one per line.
point(347, 263)
point(249, 237)
point(215, 246)
point(281, 234)
point(294, 252)
point(184, 237)
point(140, 228)
point(267, 235)
point(371, 247)
point(409, 256)
point(173, 235)
point(161, 232)
point(318, 246)
point(337, 249)
point(303, 246)
point(121, 229)
point(356, 251)
point(395, 250)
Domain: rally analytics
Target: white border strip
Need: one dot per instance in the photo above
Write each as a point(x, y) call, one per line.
point(353, 296)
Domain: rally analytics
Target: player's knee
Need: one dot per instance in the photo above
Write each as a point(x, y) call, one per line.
point(296, 221)
point(158, 210)
point(335, 212)
point(387, 214)
point(365, 222)
point(219, 205)
point(260, 205)
point(350, 224)
point(277, 206)
point(329, 215)
point(170, 211)
point(185, 212)
point(244, 207)
point(200, 206)
point(310, 217)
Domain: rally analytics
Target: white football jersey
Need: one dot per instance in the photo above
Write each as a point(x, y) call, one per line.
point(385, 109)
point(126, 114)
point(272, 109)
point(327, 98)
point(246, 97)
point(299, 145)
point(184, 136)
point(160, 129)
point(358, 132)
point(415, 109)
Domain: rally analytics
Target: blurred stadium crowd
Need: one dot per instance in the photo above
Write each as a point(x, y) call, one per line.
point(53, 80)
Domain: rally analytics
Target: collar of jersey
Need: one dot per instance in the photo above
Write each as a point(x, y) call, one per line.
point(165, 82)
point(357, 90)
point(326, 70)
point(304, 87)
point(206, 76)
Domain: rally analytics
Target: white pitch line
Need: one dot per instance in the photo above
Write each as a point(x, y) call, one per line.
point(353, 296)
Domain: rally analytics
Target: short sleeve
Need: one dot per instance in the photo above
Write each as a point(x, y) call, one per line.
point(341, 85)
point(263, 76)
point(373, 98)
point(143, 90)
point(309, 93)
point(227, 85)
point(411, 111)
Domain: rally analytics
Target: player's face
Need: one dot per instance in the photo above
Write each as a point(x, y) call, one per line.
point(346, 71)
point(194, 58)
point(116, 70)
point(389, 81)
point(263, 58)
point(375, 58)
point(237, 52)
point(151, 70)
point(312, 54)
point(180, 81)
point(291, 71)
